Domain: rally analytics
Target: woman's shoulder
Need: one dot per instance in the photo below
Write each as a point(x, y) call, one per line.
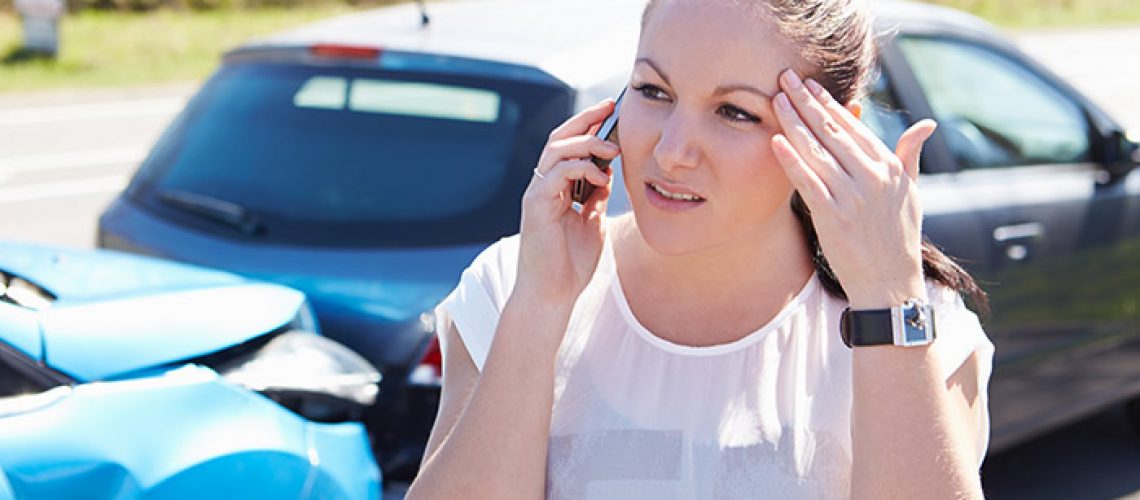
point(473, 306)
point(497, 264)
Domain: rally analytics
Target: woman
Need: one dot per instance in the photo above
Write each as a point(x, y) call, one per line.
point(691, 349)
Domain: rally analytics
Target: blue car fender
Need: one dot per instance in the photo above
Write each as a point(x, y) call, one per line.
point(5, 488)
point(186, 433)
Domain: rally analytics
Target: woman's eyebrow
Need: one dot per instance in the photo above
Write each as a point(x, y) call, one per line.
point(655, 67)
point(721, 90)
point(740, 87)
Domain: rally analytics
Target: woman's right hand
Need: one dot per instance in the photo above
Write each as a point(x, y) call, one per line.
point(560, 247)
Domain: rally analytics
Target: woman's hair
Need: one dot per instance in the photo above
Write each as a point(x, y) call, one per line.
point(838, 42)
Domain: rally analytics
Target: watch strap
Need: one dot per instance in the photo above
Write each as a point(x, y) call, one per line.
point(866, 327)
point(911, 324)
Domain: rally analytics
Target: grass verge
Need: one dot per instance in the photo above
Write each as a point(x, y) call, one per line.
point(110, 49)
point(103, 49)
point(1050, 13)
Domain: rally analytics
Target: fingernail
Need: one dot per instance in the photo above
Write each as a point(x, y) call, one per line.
point(792, 79)
point(782, 102)
point(777, 143)
point(815, 87)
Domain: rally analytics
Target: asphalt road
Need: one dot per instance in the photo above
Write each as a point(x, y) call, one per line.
point(64, 156)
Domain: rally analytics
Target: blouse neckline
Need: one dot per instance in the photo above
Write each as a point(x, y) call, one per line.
point(690, 350)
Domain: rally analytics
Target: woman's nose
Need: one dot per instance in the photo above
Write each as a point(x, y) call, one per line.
point(677, 144)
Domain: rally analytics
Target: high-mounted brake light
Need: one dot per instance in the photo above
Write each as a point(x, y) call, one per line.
point(429, 371)
point(344, 51)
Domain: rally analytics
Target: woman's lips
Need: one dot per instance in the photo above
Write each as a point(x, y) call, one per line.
point(669, 204)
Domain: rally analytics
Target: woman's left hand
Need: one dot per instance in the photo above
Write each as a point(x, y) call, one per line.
point(863, 197)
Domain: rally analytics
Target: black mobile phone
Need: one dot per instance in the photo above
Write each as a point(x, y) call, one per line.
point(607, 132)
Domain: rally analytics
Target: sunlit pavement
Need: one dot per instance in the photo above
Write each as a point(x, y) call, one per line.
point(65, 155)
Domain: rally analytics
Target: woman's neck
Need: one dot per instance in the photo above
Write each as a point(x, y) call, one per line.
point(769, 264)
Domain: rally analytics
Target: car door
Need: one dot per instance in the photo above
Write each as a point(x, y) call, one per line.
point(1020, 196)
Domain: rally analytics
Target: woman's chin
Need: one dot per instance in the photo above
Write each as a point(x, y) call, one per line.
point(670, 235)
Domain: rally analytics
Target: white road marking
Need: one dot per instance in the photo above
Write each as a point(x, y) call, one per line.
point(63, 189)
point(73, 159)
point(92, 111)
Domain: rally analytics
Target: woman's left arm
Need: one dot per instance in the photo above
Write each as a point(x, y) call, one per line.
point(914, 432)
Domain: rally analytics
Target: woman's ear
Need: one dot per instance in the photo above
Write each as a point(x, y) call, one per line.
point(856, 108)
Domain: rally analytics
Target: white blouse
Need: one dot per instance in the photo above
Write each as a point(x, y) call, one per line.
point(638, 417)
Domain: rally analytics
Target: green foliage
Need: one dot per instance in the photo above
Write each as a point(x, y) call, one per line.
point(77, 6)
point(133, 42)
point(100, 48)
point(1044, 13)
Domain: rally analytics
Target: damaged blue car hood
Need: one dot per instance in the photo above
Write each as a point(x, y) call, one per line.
point(116, 313)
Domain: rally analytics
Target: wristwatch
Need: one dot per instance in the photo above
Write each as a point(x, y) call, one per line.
point(910, 324)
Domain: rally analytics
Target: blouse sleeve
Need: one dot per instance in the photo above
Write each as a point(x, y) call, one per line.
point(475, 303)
point(960, 334)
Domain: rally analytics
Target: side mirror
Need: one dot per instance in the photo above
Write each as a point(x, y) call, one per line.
point(1122, 154)
point(1132, 138)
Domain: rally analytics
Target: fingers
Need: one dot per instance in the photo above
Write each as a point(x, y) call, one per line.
point(557, 181)
point(567, 158)
point(596, 205)
point(910, 145)
point(802, 176)
point(810, 154)
point(859, 131)
point(826, 129)
point(576, 147)
point(581, 123)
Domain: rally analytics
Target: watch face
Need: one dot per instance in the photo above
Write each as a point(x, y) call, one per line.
point(915, 334)
point(913, 324)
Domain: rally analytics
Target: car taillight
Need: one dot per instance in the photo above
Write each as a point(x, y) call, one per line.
point(429, 371)
point(344, 51)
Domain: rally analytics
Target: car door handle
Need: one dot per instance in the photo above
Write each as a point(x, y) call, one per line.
point(1015, 238)
point(1015, 232)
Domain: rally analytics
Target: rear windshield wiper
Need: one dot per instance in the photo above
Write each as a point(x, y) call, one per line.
point(225, 212)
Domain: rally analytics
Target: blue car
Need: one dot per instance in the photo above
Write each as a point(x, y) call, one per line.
point(366, 160)
point(123, 376)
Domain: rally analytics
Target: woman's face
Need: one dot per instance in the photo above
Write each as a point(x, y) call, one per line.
point(697, 121)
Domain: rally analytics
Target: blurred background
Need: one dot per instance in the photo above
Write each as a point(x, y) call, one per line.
point(155, 53)
point(75, 124)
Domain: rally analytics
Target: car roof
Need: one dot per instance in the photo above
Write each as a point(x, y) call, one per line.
point(582, 42)
point(922, 18)
point(560, 37)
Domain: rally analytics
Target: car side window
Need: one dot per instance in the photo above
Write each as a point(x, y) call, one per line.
point(882, 113)
point(992, 110)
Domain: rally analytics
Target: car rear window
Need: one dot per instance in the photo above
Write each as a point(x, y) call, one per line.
point(351, 156)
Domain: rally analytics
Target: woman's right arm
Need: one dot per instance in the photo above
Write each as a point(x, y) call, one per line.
point(490, 437)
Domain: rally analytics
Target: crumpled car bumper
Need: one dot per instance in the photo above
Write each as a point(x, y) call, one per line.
point(186, 433)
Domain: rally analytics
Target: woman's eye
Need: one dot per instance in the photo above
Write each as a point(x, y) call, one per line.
point(652, 92)
point(737, 114)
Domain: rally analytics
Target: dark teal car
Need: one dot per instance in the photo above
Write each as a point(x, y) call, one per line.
point(366, 160)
